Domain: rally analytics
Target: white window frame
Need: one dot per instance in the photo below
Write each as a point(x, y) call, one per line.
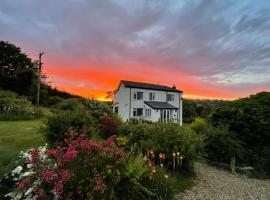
point(152, 96)
point(148, 112)
point(135, 112)
point(172, 97)
point(135, 95)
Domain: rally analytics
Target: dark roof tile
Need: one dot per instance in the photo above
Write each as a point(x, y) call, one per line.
point(159, 105)
point(150, 86)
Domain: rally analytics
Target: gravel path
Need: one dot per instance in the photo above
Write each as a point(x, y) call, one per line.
point(216, 184)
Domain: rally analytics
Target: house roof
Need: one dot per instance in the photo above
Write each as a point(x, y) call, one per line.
point(159, 105)
point(132, 84)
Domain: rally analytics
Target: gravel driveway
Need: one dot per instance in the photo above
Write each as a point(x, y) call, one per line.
point(217, 184)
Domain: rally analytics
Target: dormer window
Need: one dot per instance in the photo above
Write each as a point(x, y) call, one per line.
point(170, 97)
point(138, 95)
point(152, 96)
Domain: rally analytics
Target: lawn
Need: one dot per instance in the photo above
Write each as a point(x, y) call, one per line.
point(16, 136)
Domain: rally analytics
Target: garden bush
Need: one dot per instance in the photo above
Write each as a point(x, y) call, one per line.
point(221, 146)
point(97, 108)
point(13, 107)
point(172, 145)
point(64, 121)
point(70, 104)
point(109, 125)
point(178, 145)
point(87, 169)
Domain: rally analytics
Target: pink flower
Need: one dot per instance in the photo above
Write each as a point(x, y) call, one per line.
point(53, 152)
point(22, 184)
point(111, 139)
point(72, 134)
point(58, 187)
point(65, 175)
point(47, 175)
point(70, 154)
point(34, 157)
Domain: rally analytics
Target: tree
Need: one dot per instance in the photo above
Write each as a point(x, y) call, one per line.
point(16, 69)
point(249, 121)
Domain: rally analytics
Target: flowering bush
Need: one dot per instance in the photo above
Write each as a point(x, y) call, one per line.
point(81, 169)
point(108, 126)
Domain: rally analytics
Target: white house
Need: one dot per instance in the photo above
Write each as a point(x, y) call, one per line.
point(147, 101)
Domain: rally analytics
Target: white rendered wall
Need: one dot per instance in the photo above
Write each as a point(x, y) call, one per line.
point(124, 96)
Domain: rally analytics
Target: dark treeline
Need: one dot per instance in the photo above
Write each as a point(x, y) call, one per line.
point(234, 129)
point(200, 108)
point(18, 74)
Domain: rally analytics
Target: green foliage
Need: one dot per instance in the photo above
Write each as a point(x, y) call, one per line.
point(199, 125)
point(132, 184)
point(97, 108)
point(13, 107)
point(70, 104)
point(139, 182)
point(16, 69)
point(221, 145)
point(167, 138)
point(170, 137)
point(249, 121)
point(200, 108)
point(62, 122)
point(233, 165)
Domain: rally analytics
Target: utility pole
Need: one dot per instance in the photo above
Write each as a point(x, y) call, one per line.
point(39, 76)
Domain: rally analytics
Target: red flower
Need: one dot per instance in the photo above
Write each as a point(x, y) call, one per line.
point(58, 187)
point(52, 152)
point(70, 154)
point(47, 175)
point(111, 139)
point(34, 157)
point(22, 184)
point(64, 176)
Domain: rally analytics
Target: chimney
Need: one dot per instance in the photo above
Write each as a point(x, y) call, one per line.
point(174, 87)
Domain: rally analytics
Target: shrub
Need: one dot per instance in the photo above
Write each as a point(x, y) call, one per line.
point(199, 125)
point(221, 146)
point(173, 144)
point(167, 139)
point(63, 122)
point(70, 104)
point(86, 169)
point(108, 126)
point(14, 107)
point(97, 108)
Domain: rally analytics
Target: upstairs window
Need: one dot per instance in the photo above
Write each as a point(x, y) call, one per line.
point(137, 112)
point(151, 96)
point(170, 97)
point(138, 95)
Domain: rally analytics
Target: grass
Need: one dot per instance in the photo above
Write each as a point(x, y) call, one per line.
point(16, 136)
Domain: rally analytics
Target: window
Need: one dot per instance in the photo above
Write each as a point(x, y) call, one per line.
point(148, 112)
point(138, 95)
point(116, 109)
point(170, 97)
point(151, 96)
point(137, 112)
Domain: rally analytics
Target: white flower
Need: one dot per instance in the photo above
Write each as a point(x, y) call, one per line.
point(29, 166)
point(17, 170)
point(26, 174)
point(29, 191)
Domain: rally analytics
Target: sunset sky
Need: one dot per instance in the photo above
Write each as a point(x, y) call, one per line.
point(209, 49)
